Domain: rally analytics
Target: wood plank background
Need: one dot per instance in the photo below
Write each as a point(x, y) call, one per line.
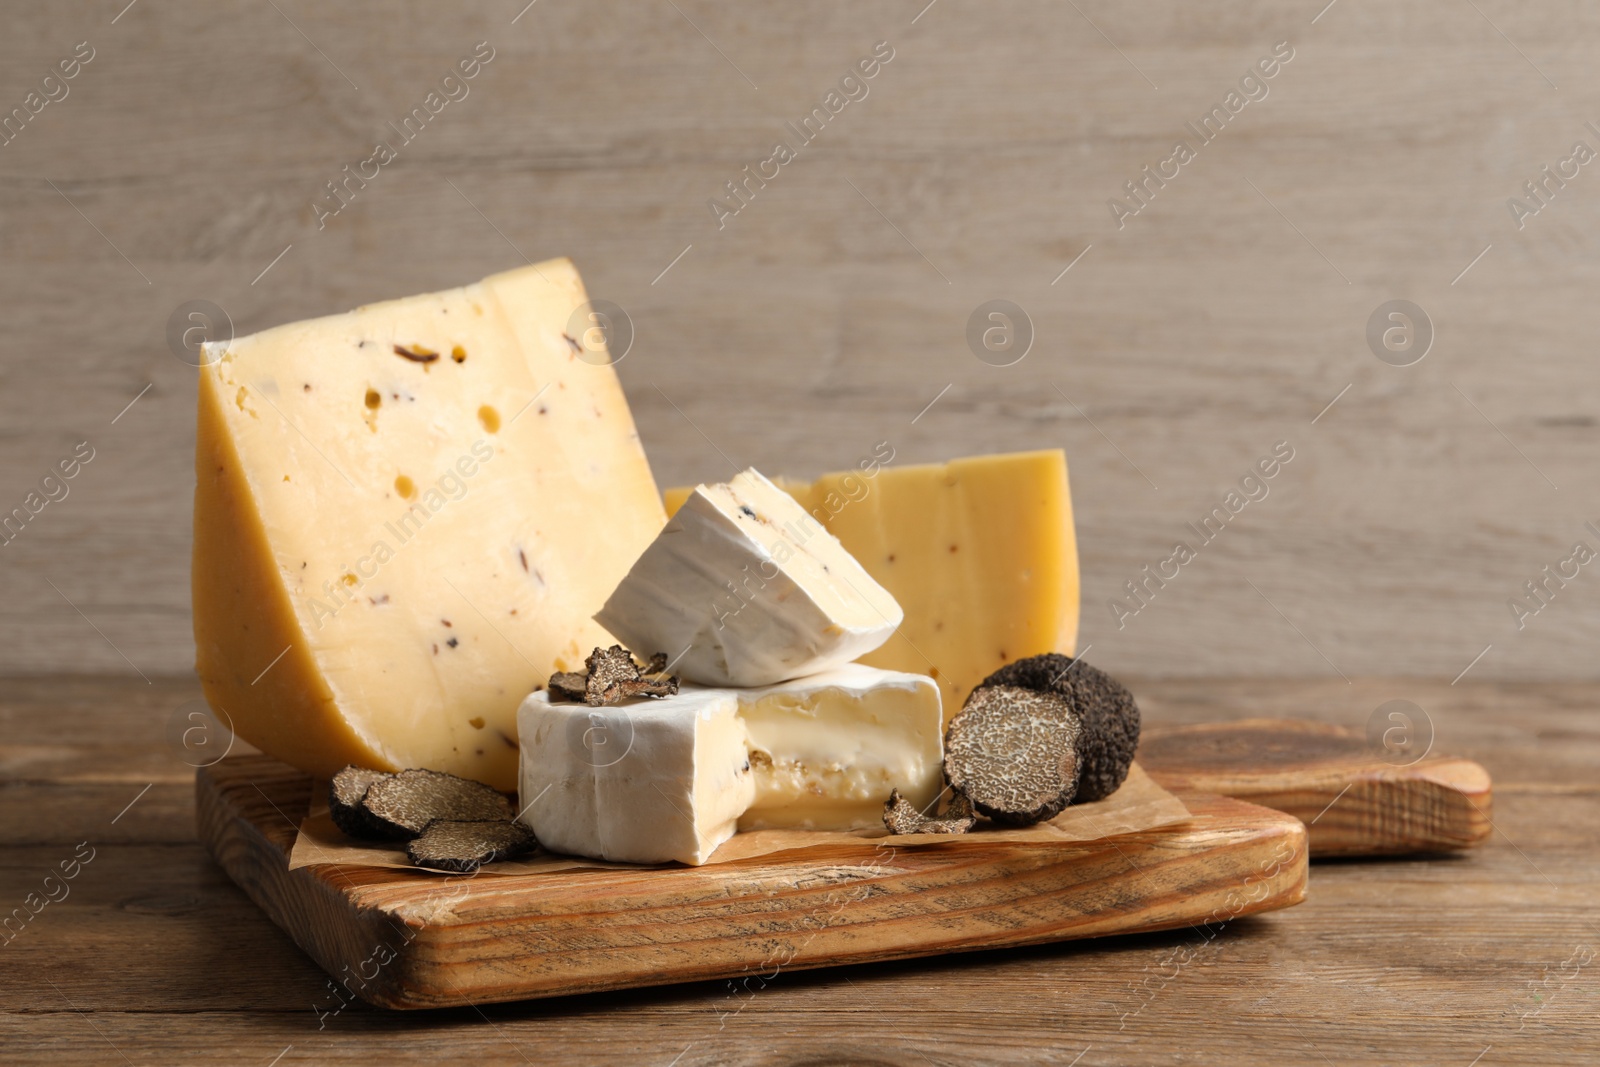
point(825, 316)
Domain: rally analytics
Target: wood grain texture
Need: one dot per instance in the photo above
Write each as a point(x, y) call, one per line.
point(158, 957)
point(819, 321)
point(403, 939)
point(1352, 800)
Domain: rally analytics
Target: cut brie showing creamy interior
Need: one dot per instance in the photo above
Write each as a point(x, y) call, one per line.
point(827, 749)
point(404, 516)
point(671, 779)
point(744, 588)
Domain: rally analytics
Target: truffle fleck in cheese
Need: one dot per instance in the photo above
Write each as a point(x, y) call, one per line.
point(404, 517)
point(980, 553)
point(744, 588)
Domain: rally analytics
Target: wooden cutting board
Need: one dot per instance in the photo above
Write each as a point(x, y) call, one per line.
point(405, 939)
point(1353, 801)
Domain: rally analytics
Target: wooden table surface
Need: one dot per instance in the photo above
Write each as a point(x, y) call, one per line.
point(153, 956)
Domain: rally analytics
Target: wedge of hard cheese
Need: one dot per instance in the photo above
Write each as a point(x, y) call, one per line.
point(404, 517)
point(980, 553)
point(671, 779)
point(744, 588)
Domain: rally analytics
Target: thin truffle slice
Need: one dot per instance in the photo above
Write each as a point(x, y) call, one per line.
point(1110, 715)
point(1014, 753)
point(345, 793)
point(613, 675)
point(568, 685)
point(464, 845)
point(654, 681)
point(404, 804)
point(901, 818)
point(609, 668)
point(648, 685)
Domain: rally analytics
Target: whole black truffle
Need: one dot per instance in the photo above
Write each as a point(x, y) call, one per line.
point(1110, 716)
point(1014, 753)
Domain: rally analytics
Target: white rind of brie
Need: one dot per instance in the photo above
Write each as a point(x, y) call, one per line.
point(671, 779)
point(644, 782)
point(744, 588)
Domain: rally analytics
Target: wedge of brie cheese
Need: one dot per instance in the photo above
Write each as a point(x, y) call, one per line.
point(671, 779)
point(744, 588)
point(643, 782)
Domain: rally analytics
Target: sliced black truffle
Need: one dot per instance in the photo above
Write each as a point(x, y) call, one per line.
point(1110, 715)
point(404, 804)
point(610, 672)
point(464, 845)
point(901, 818)
point(1013, 752)
point(648, 684)
point(568, 685)
point(613, 675)
point(345, 794)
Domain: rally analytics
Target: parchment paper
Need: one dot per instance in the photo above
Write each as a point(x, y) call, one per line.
point(1139, 805)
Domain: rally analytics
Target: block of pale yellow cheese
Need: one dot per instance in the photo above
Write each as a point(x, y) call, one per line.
point(405, 517)
point(980, 553)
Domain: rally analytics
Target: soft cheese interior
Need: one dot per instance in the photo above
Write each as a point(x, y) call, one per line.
point(671, 779)
point(827, 750)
